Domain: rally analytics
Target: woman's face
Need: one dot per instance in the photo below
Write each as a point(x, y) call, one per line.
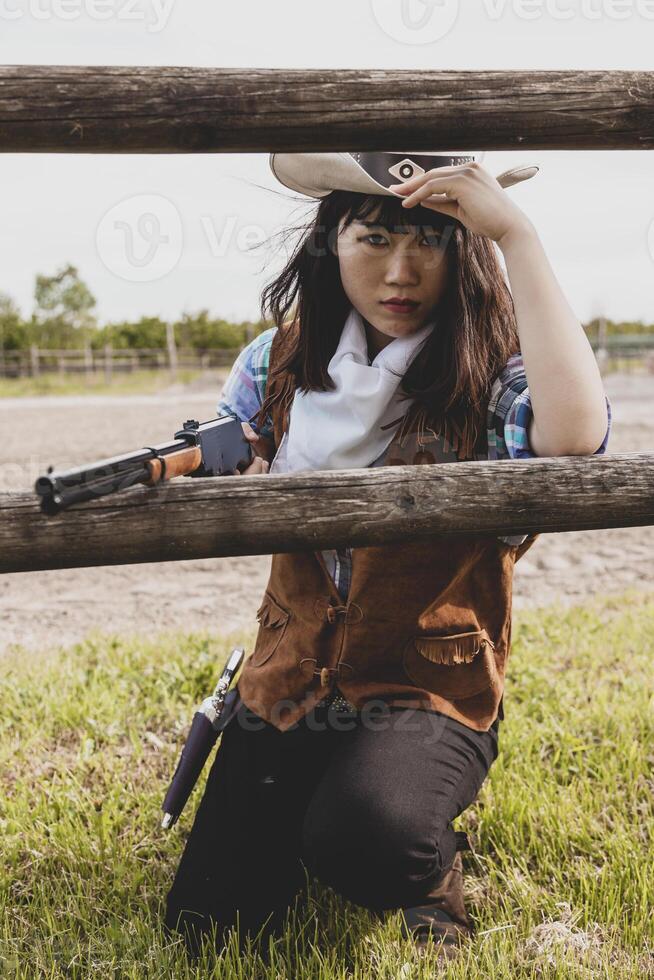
point(378, 264)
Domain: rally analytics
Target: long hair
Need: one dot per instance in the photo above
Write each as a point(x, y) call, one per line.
point(476, 331)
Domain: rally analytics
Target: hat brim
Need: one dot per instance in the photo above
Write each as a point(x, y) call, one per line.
point(317, 174)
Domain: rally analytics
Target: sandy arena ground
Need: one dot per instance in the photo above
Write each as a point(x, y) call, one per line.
point(46, 609)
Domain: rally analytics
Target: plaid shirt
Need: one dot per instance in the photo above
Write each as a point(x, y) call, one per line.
point(508, 418)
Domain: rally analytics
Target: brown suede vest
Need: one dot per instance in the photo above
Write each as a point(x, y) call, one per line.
point(426, 624)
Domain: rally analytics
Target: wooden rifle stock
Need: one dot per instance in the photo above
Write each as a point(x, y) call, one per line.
point(180, 463)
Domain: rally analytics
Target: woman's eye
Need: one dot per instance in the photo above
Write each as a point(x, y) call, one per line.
point(368, 238)
point(432, 240)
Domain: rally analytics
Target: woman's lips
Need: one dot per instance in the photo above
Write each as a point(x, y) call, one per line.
point(401, 307)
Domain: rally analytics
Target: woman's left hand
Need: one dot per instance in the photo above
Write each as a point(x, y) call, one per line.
point(467, 192)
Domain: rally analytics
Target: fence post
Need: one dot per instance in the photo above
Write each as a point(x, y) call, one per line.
point(172, 351)
point(602, 353)
point(88, 361)
point(34, 360)
point(108, 362)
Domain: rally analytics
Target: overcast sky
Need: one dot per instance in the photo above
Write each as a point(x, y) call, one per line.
point(594, 211)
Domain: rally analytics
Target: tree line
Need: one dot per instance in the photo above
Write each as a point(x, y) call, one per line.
point(64, 319)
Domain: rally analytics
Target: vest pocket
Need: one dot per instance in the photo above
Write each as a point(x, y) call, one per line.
point(456, 666)
point(273, 620)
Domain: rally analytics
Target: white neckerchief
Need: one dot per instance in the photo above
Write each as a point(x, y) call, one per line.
point(343, 428)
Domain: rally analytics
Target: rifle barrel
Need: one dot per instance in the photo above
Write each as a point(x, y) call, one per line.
point(62, 488)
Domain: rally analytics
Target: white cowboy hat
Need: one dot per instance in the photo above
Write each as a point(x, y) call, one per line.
point(317, 174)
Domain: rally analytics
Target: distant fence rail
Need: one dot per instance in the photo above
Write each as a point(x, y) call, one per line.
point(108, 359)
point(623, 351)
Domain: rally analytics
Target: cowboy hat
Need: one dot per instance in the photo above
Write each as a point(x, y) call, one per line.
point(317, 174)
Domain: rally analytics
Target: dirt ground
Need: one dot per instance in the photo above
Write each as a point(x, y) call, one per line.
point(47, 609)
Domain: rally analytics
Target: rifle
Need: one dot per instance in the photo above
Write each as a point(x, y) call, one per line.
point(214, 448)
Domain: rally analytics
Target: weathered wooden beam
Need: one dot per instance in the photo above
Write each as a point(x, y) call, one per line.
point(205, 518)
point(79, 109)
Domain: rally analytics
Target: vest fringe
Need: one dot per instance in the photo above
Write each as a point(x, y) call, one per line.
point(268, 615)
point(450, 650)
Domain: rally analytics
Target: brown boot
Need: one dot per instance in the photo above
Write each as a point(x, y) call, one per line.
point(441, 914)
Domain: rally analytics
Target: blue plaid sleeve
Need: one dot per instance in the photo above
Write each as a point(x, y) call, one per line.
point(244, 390)
point(510, 412)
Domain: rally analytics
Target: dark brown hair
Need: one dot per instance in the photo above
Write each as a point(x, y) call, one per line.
point(476, 332)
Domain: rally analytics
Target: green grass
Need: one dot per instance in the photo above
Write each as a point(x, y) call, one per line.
point(139, 382)
point(561, 884)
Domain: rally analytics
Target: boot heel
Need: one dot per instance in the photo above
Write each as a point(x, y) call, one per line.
point(443, 914)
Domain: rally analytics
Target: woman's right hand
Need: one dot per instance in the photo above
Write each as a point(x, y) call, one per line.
point(258, 465)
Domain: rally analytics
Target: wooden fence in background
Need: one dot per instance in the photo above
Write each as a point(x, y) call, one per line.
point(627, 352)
point(109, 360)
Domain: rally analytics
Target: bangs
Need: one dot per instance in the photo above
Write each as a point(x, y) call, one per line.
point(389, 213)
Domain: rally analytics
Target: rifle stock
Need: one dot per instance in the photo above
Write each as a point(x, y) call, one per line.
point(181, 463)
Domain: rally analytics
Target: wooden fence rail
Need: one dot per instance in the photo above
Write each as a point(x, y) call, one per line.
point(108, 109)
point(39, 360)
point(214, 517)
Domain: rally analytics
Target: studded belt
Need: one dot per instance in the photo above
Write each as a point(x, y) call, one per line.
point(336, 701)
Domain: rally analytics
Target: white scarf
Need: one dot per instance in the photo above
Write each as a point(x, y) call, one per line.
point(343, 428)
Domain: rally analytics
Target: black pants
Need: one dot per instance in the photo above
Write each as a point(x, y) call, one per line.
point(364, 802)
